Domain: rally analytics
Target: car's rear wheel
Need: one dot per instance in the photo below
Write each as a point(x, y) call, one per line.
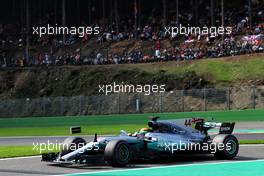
point(72, 143)
point(117, 153)
point(230, 146)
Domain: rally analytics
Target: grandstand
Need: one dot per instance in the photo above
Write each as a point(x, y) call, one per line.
point(131, 31)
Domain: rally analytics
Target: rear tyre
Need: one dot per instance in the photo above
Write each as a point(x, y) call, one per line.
point(72, 143)
point(117, 153)
point(230, 146)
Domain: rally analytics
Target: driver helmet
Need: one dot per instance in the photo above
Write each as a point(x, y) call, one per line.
point(144, 130)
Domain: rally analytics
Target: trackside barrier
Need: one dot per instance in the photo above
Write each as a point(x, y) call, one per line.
point(206, 99)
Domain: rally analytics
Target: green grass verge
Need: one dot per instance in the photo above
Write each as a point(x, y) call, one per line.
point(251, 141)
point(109, 124)
point(19, 151)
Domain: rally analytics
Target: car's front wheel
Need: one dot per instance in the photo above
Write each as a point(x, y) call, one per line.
point(71, 144)
point(117, 153)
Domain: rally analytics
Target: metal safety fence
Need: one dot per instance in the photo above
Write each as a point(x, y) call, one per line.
point(207, 99)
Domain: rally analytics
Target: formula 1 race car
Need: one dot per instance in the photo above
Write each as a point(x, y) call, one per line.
point(162, 138)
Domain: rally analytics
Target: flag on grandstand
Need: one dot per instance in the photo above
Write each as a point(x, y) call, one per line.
point(253, 39)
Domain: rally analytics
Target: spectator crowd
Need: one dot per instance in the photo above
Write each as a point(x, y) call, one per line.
point(247, 37)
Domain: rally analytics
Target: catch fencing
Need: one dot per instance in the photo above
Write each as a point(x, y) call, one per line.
point(207, 99)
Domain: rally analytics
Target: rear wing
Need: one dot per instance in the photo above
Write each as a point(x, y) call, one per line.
point(201, 125)
point(227, 128)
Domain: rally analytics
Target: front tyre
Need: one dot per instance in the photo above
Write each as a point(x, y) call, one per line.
point(72, 143)
point(230, 146)
point(117, 153)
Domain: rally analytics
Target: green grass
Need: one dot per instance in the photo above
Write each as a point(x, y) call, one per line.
point(16, 151)
point(260, 141)
point(109, 124)
point(231, 69)
point(19, 151)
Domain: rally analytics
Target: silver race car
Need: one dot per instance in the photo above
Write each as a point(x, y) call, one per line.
point(162, 138)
